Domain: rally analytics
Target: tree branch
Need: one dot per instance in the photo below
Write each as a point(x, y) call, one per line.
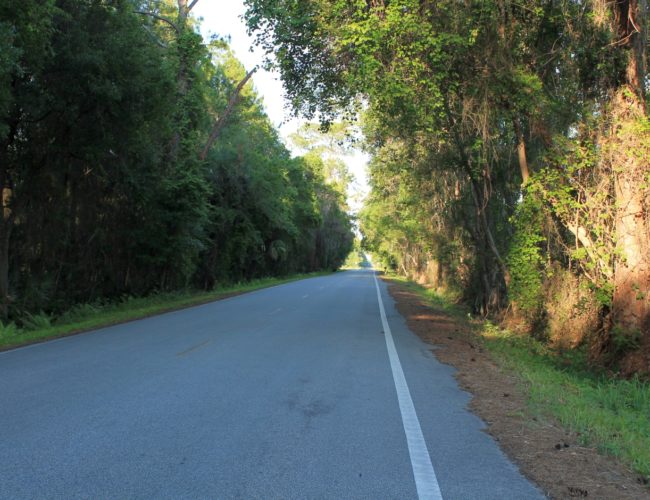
point(160, 18)
point(221, 121)
point(581, 235)
point(158, 41)
point(480, 207)
point(194, 2)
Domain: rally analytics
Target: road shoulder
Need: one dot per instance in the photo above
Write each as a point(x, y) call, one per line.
point(545, 452)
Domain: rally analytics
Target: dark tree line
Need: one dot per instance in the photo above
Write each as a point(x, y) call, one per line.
point(135, 158)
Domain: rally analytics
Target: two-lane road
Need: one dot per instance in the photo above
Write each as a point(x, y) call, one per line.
point(288, 392)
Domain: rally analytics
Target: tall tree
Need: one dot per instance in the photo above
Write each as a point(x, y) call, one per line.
point(629, 154)
point(25, 35)
point(516, 133)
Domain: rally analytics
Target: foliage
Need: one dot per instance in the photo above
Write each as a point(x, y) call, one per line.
point(500, 137)
point(580, 195)
point(356, 258)
point(79, 312)
point(525, 257)
point(105, 109)
point(36, 321)
point(8, 331)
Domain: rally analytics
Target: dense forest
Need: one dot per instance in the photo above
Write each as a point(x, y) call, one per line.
point(510, 147)
point(136, 158)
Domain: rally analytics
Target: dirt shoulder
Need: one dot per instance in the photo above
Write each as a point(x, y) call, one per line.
point(545, 452)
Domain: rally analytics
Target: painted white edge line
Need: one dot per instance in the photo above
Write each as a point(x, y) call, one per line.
point(423, 473)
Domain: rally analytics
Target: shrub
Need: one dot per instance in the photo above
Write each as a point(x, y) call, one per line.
point(8, 330)
point(525, 261)
point(36, 321)
point(572, 309)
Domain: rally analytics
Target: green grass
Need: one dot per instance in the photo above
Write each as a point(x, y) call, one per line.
point(609, 413)
point(84, 317)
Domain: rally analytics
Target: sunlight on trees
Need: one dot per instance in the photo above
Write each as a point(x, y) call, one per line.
point(509, 146)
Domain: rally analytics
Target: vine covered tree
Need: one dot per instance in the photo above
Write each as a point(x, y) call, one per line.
point(509, 144)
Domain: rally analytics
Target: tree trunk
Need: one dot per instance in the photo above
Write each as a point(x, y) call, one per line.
point(630, 153)
point(183, 76)
point(631, 301)
point(6, 225)
point(4, 271)
point(6, 218)
point(632, 274)
point(631, 31)
point(480, 204)
point(521, 151)
point(221, 121)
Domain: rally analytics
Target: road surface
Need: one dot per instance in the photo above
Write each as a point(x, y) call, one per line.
point(288, 392)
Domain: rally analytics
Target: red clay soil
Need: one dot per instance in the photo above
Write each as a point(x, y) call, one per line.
point(545, 452)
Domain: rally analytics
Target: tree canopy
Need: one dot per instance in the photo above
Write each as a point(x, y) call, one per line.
point(135, 158)
point(509, 144)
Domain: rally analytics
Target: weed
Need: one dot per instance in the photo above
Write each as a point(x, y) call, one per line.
point(78, 313)
point(8, 331)
point(38, 321)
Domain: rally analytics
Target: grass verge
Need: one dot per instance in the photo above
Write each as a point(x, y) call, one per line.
point(610, 414)
point(84, 317)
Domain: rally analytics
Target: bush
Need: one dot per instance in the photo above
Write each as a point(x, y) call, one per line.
point(525, 261)
point(572, 309)
point(8, 330)
point(38, 321)
point(78, 313)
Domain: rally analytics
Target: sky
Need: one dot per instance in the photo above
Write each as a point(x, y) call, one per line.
point(225, 18)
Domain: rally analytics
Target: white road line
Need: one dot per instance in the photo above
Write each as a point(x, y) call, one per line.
point(425, 477)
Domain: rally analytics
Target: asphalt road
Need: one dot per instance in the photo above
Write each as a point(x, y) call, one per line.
point(287, 392)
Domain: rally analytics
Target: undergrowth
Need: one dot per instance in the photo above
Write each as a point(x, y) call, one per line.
point(608, 413)
point(83, 317)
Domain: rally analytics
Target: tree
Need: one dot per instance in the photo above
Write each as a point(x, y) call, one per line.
point(25, 35)
point(502, 135)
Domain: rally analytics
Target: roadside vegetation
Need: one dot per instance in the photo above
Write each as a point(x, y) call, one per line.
point(137, 159)
point(509, 145)
point(41, 326)
point(608, 413)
